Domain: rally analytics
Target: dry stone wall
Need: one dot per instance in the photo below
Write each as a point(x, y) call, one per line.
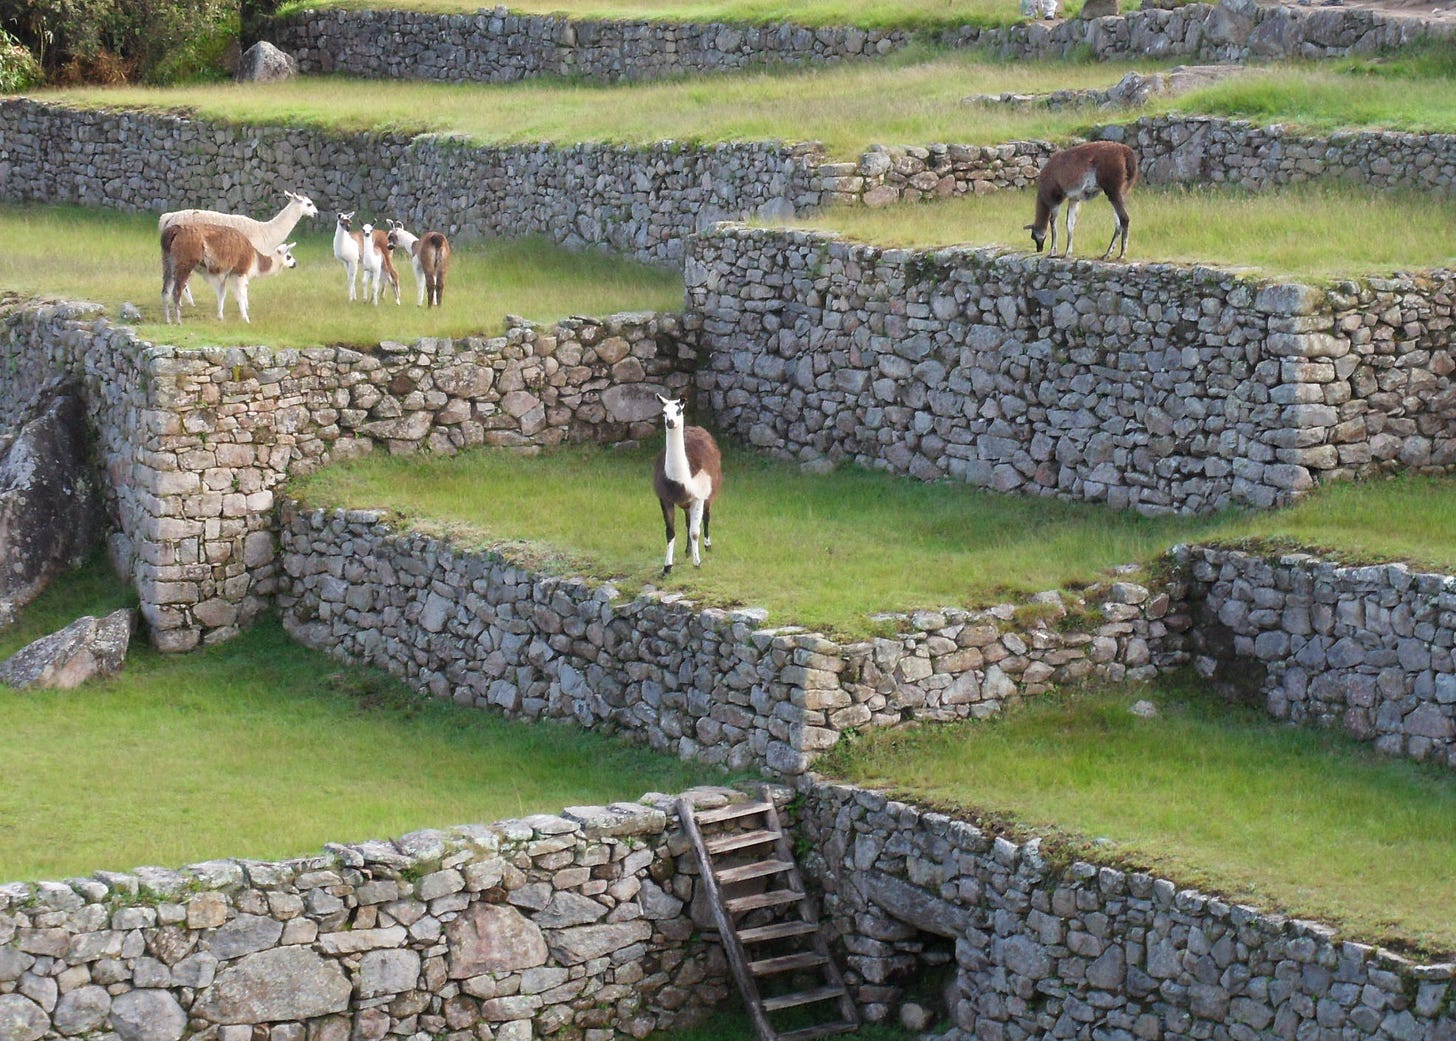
point(1154, 386)
point(1366, 649)
point(637, 202)
point(498, 46)
point(194, 443)
point(704, 684)
point(1037, 950)
point(579, 922)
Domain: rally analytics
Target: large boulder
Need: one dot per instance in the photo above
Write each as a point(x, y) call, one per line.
point(86, 648)
point(51, 516)
point(264, 63)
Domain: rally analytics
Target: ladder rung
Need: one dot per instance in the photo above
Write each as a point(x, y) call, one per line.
point(732, 812)
point(758, 869)
point(786, 963)
point(804, 997)
point(776, 931)
point(823, 1030)
point(739, 840)
point(773, 898)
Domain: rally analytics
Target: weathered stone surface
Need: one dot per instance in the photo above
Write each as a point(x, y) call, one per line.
point(86, 649)
point(388, 972)
point(80, 1011)
point(265, 63)
point(245, 934)
point(50, 507)
point(287, 983)
point(147, 1015)
point(21, 1019)
point(912, 904)
point(493, 938)
point(583, 943)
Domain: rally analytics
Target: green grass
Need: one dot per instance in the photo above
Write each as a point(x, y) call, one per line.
point(260, 748)
point(825, 552)
point(1313, 232)
point(109, 258)
point(901, 14)
point(1288, 819)
point(914, 98)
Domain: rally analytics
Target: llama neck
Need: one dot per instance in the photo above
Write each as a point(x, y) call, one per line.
point(283, 221)
point(676, 465)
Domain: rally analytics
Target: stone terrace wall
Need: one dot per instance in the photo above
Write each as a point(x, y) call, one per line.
point(1152, 386)
point(497, 46)
point(708, 685)
point(1366, 649)
point(519, 929)
point(1040, 951)
point(501, 47)
point(638, 202)
point(194, 442)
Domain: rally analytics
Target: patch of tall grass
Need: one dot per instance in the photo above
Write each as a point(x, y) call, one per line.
point(822, 551)
point(260, 748)
point(112, 258)
point(1293, 820)
point(914, 98)
point(1305, 231)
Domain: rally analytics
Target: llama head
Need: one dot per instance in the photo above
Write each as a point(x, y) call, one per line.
point(346, 219)
point(672, 411)
point(285, 251)
point(1039, 237)
point(305, 204)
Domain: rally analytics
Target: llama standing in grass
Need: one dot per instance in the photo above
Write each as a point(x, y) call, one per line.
point(429, 257)
point(378, 267)
point(266, 236)
point(223, 255)
point(348, 249)
point(688, 476)
point(1079, 173)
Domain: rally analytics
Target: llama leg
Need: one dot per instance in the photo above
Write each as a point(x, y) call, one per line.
point(707, 517)
point(219, 284)
point(1072, 206)
point(440, 288)
point(241, 292)
point(1052, 228)
point(394, 278)
point(351, 274)
point(1122, 223)
point(670, 523)
point(695, 530)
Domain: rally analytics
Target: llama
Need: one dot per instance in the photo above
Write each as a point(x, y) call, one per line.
point(348, 249)
point(429, 257)
point(1076, 174)
point(223, 255)
point(378, 267)
point(266, 236)
point(688, 475)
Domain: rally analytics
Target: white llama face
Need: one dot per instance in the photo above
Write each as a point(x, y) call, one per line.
point(672, 412)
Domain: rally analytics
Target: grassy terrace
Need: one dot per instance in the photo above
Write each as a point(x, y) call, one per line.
point(73, 252)
point(1288, 819)
point(1301, 232)
point(259, 748)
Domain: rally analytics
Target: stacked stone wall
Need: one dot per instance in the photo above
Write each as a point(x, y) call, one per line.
point(1365, 649)
point(1039, 949)
point(499, 46)
point(194, 443)
point(704, 684)
point(579, 922)
point(1155, 386)
point(637, 202)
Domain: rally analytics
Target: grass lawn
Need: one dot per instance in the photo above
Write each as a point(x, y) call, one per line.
point(913, 98)
point(824, 552)
point(260, 748)
point(72, 252)
point(1288, 819)
point(903, 14)
point(1301, 232)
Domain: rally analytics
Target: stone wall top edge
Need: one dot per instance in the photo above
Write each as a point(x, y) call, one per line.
point(651, 814)
point(1016, 856)
point(1370, 572)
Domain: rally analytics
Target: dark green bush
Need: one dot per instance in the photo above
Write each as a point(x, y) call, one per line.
point(18, 68)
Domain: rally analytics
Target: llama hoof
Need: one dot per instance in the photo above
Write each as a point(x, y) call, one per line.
point(667, 569)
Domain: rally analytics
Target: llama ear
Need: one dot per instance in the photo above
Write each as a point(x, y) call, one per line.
point(1029, 227)
point(289, 195)
point(665, 401)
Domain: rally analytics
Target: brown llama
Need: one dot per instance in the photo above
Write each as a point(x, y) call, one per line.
point(1076, 174)
point(688, 476)
point(430, 258)
point(224, 255)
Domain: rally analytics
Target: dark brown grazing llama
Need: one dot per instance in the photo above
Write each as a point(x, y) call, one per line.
point(688, 476)
point(225, 256)
point(1076, 174)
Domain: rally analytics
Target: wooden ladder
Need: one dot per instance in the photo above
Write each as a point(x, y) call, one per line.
point(742, 846)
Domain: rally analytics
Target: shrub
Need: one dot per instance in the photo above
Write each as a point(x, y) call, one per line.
point(18, 68)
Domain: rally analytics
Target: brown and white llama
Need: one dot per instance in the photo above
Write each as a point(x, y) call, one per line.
point(378, 266)
point(266, 236)
point(1076, 174)
point(688, 476)
point(429, 257)
point(223, 255)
